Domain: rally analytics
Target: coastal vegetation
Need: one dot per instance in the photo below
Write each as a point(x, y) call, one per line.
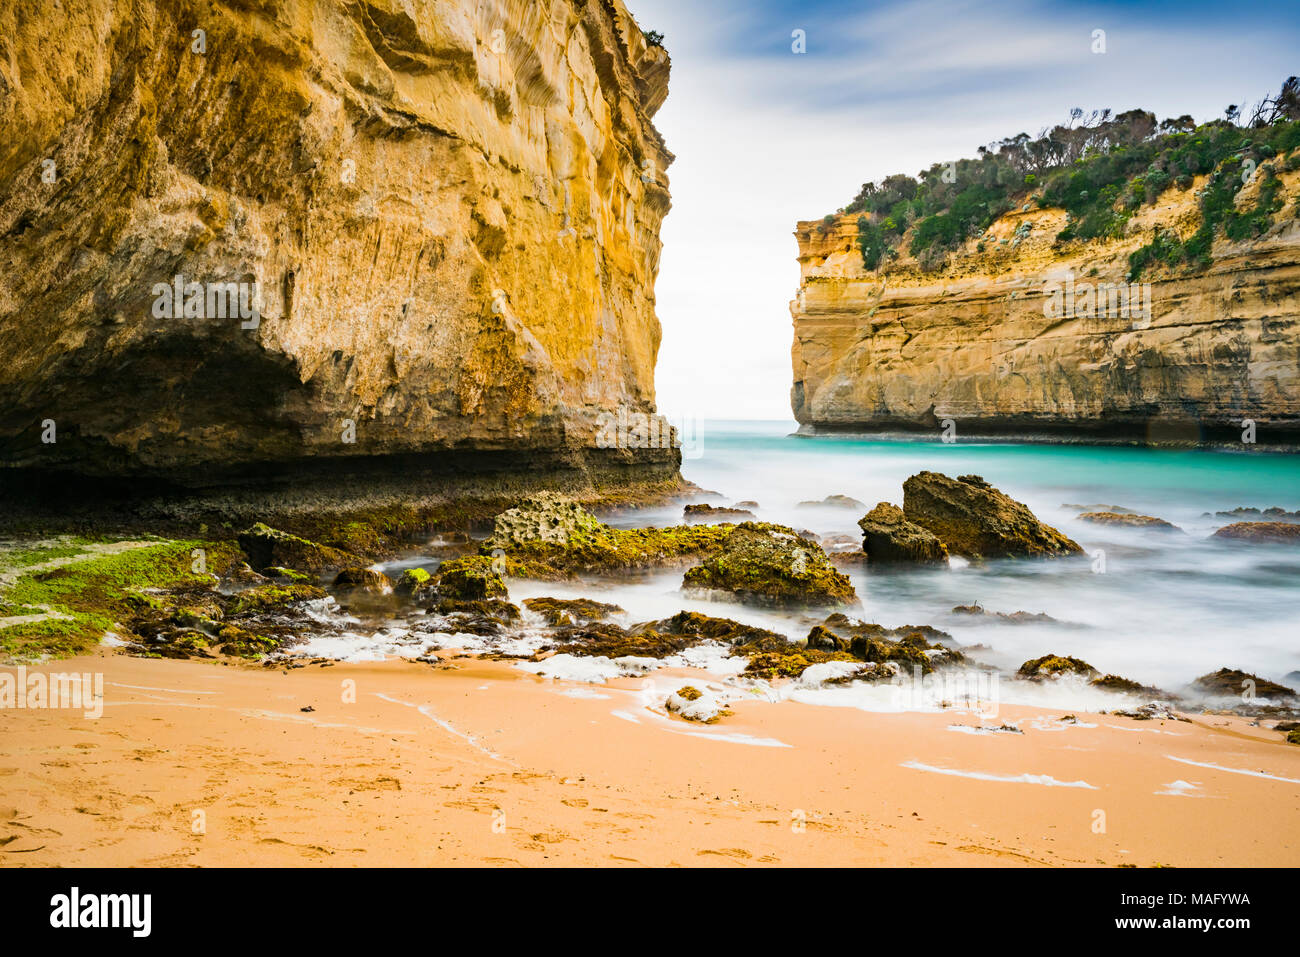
point(1101, 169)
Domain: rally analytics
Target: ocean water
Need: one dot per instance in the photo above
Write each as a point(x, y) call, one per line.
point(1167, 607)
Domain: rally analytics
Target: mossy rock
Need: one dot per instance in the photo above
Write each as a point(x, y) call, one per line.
point(1293, 737)
point(244, 643)
point(365, 580)
point(471, 578)
point(288, 574)
point(771, 565)
point(888, 537)
point(974, 519)
point(1053, 666)
point(1234, 683)
point(571, 611)
point(266, 598)
point(413, 581)
point(550, 538)
point(1126, 686)
point(268, 547)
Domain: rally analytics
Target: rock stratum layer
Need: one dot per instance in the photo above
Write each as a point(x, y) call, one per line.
point(448, 212)
point(906, 349)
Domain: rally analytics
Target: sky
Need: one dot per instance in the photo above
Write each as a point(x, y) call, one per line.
point(765, 136)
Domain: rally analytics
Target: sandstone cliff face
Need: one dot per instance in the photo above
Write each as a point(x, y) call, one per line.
point(906, 349)
point(449, 211)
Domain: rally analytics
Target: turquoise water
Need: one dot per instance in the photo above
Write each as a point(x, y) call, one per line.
point(1166, 607)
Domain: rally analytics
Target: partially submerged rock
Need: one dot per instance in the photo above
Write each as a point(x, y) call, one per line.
point(1129, 520)
point(770, 565)
point(887, 536)
point(693, 704)
point(1012, 618)
point(909, 646)
point(1154, 711)
point(571, 611)
point(470, 578)
point(267, 547)
point(413, 581)
point(266, 598)
point(974, 519)
point(835, 501)
point(1273, 514)
point(1265, 533)
point(1054, 666)
point(707, 513)
point(1240, 684)
point(363, 580)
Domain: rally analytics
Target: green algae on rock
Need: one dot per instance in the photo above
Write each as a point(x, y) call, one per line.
point(268, 547)
point(549, 536)
point(571, 611)
point(471, 578)
point(1053, 666)
point(767, 564)
point(887, 536)
point(974, 519)
point(87, 597)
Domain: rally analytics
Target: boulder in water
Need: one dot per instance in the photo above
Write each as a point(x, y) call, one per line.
point(974, 519)
point(887, 536)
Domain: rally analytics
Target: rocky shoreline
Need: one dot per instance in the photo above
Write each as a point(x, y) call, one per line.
point(265, 594)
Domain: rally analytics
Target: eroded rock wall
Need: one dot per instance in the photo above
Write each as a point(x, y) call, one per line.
point(449, 212)
point(906, 349)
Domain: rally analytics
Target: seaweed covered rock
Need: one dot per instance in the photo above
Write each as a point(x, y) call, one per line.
point(571, 611)
point(909, 645)
point(770, 565)
point(413, 581)
point(1129, 520)
point(1230, 682)
point(1263, 533)
point(974, 519)
point(1127, 686)
point(691, 703)
point(705, 513)
point(484, 617)
point(887, 536)
point(471, 578)
point(1054, 666)
point(268, 547)
point(269, 598)
point(364, 580)
point(551, 537)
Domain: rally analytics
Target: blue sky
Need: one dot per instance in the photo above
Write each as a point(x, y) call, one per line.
point(765, 136)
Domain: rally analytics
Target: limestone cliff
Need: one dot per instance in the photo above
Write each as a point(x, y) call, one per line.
point(443, 217)
point(986, 341)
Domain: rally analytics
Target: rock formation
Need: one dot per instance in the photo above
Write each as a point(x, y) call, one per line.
point(906, 349)
point(887, 536)
point(972, 518)
point(255, 237)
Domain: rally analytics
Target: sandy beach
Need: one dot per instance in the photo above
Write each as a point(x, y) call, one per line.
point(477, 763)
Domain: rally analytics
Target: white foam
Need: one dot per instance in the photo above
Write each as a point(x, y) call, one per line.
point(1181, 788)
point(1044, 779)
point(1220, 767)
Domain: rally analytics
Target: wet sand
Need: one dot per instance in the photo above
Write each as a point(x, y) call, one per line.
point(196, 763)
